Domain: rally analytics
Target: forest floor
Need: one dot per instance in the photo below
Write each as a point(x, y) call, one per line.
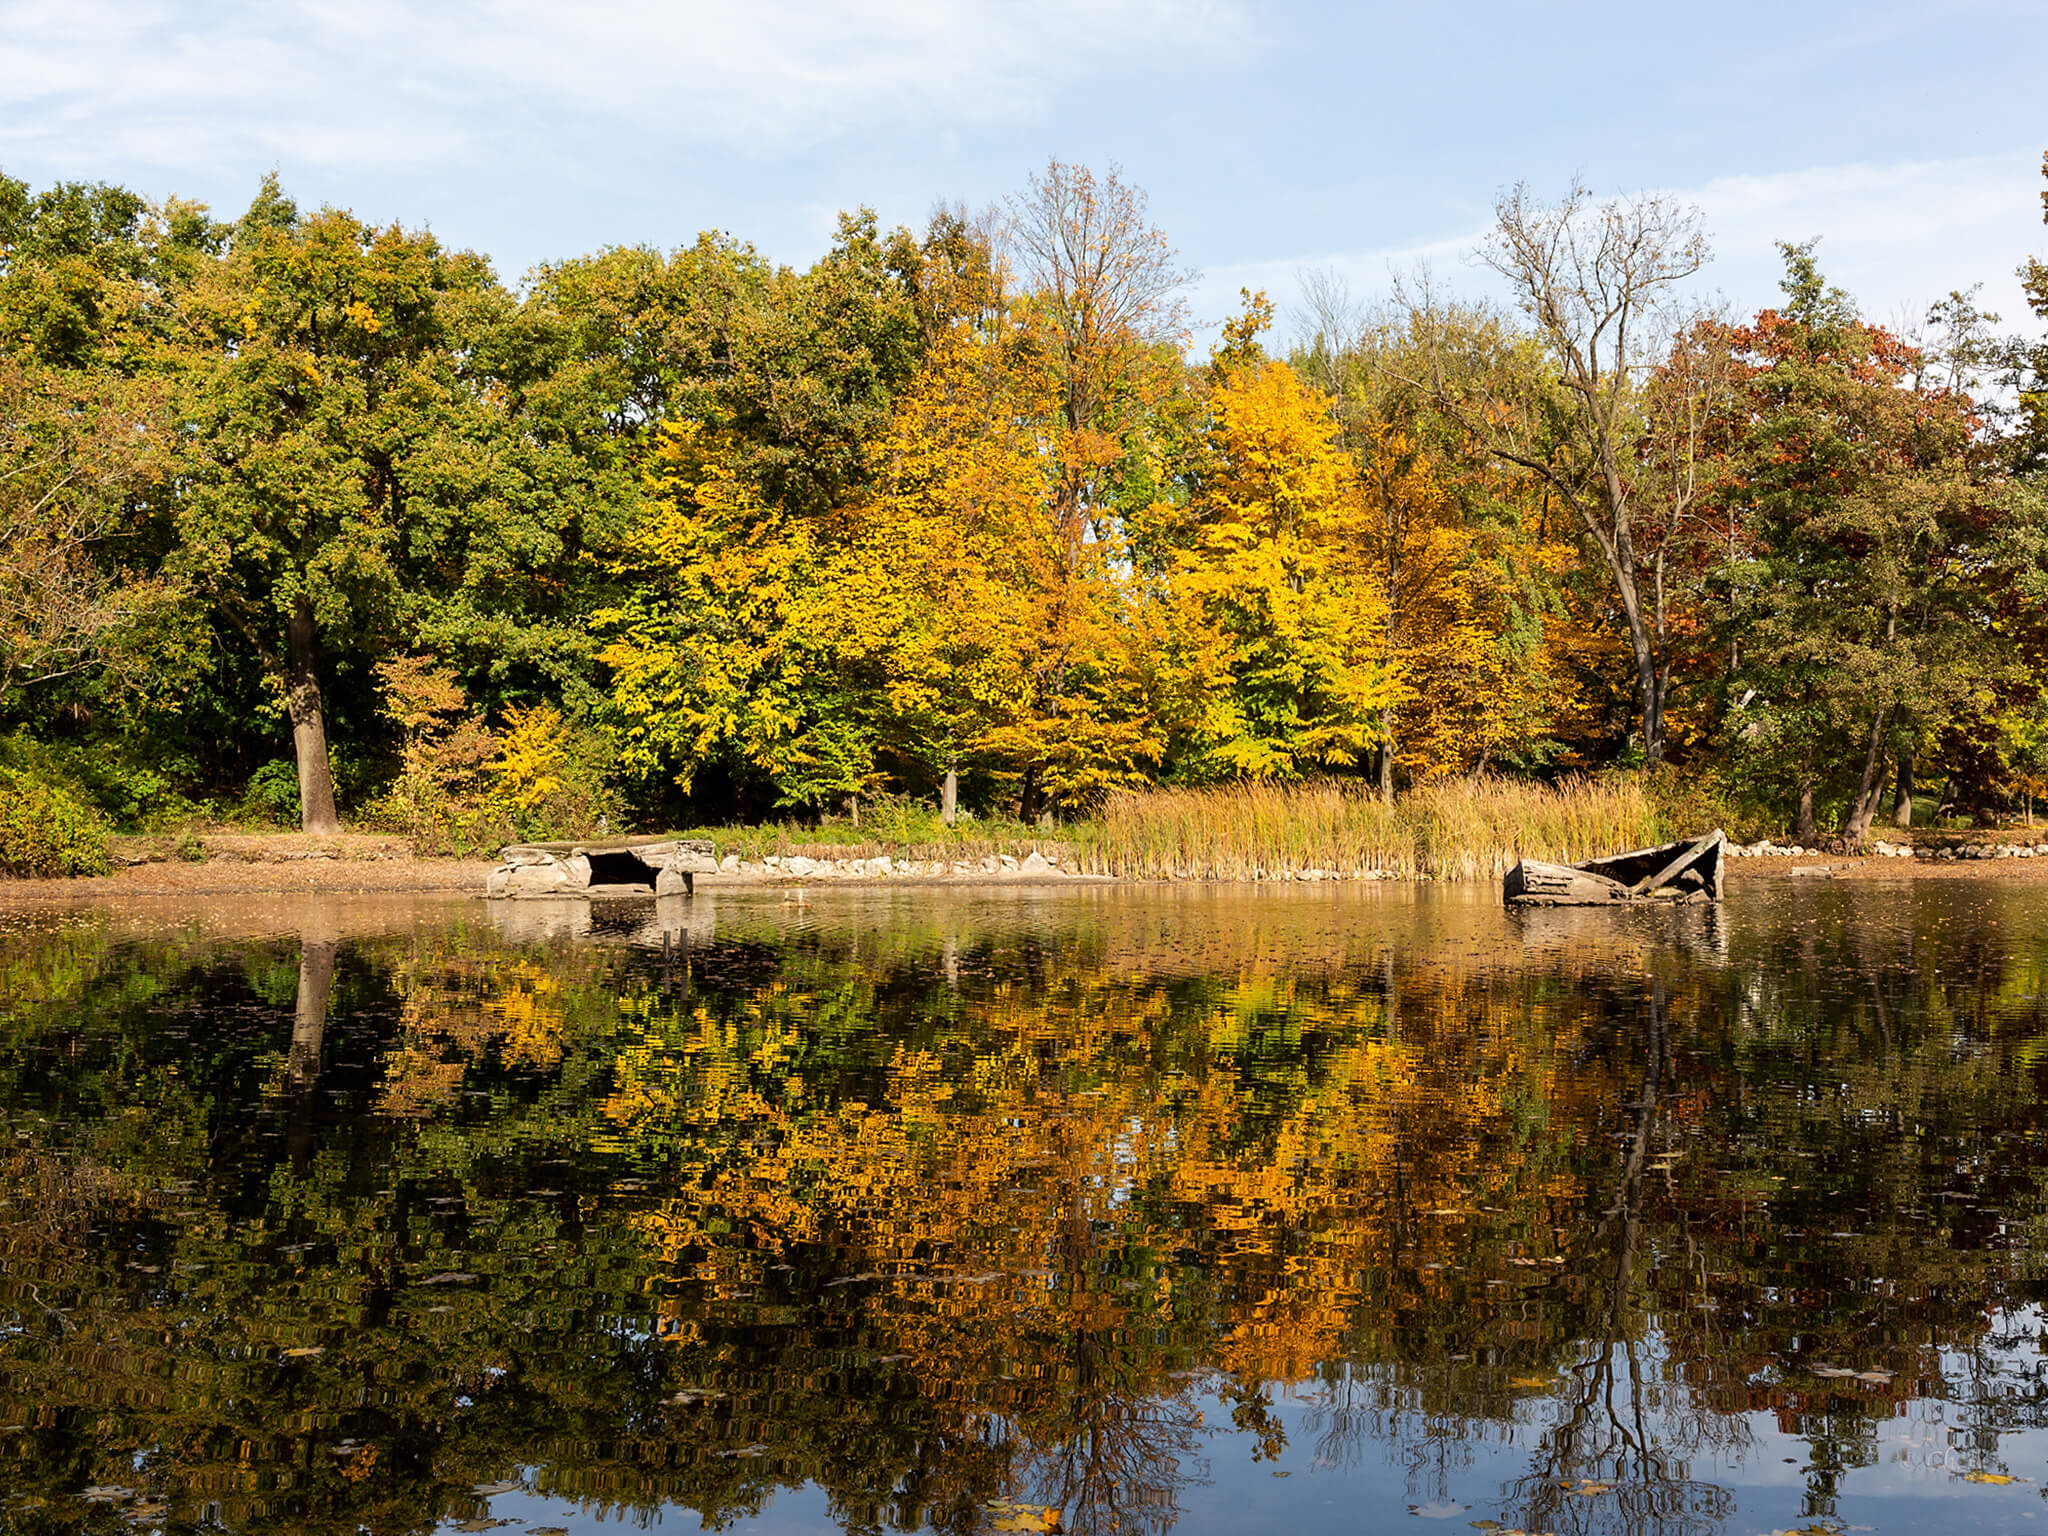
point(289, 862)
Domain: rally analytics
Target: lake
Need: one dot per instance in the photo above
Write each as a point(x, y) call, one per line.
point(1193, 1209)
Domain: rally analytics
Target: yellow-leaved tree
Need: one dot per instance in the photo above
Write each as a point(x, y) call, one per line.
point(1276, 596)
point(1010, 641)
point(708, 652)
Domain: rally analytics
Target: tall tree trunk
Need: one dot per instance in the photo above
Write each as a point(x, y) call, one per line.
point(1649, 695)
point(1870, 786)
point(949, 797)
point(309, 723)
point(1387, 756)
point(1621, 565)
point(1902, 802)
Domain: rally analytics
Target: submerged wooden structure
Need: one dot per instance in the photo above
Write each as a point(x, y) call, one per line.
point(1673, 872)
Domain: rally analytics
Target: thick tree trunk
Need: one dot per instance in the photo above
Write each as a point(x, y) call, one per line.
point(1870, 786)
point(949, 797)
point(309, 723)
point(1028, 798)
point(1902, 801)
point(1802, 829)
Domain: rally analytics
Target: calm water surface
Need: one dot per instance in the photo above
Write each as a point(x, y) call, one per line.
point(930, 1210)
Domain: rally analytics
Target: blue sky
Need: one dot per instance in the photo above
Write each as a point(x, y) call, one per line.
point(1271, 138)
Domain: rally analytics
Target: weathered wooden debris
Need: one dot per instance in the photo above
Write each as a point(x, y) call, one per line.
point(664, 866)
point(1688, 871)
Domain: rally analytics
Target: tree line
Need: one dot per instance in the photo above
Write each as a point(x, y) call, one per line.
point(325, 514)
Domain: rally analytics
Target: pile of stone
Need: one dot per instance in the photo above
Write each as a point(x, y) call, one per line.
point(1990, 851)
point(1766, 849)
point(787, 866)
point(667, 867)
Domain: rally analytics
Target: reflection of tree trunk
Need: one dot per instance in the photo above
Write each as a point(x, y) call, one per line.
point(316, 986)
point(309, 1030)
point(1574, 1446)
point(309, 723)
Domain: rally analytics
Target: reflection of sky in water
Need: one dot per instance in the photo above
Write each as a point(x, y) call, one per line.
point(1201, 1210)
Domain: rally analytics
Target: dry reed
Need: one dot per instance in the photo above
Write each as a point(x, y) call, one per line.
point(1455, 829)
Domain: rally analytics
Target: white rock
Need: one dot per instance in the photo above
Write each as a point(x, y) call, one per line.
point(798, 865)
point(1009, 864)
point(1034, 863)
point(881, 866)
point(536, 880)
point(729, 865)
point(672, 882)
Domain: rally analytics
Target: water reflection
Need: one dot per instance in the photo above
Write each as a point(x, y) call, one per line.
point(951, 1208)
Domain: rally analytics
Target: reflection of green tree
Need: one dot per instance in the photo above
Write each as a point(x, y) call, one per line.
point(1354, 1183)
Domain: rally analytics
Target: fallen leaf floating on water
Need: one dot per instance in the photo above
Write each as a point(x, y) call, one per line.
point(1504, 1530)
point(488, 1489)
point(547, 1530)
point(481, 1525)
point(1532, 1383)
point(107, 1494)
point(1011, 1516)
point(1998, 1479)
point(1440, 1510)
point(1587, 1488)
point(450, 1277)
point(308, 1352)
point(747, 1450)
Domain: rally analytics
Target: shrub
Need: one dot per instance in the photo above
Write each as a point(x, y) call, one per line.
point(462, 788)
point(549, 777)
point(46, 829)
point(273, 793)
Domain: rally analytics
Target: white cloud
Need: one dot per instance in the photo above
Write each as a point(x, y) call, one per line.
point(400, 84)
point(1896, 237)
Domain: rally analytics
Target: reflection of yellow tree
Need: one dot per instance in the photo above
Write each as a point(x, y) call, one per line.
point(460, 1008)
point(1010, 1219)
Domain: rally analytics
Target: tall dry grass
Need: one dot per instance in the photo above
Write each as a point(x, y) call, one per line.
point(1456, 829)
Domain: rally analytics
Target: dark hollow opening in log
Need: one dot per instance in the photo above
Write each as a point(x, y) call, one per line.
point(619, 869)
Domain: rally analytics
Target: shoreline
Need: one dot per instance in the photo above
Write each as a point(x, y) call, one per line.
point(320, 872)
